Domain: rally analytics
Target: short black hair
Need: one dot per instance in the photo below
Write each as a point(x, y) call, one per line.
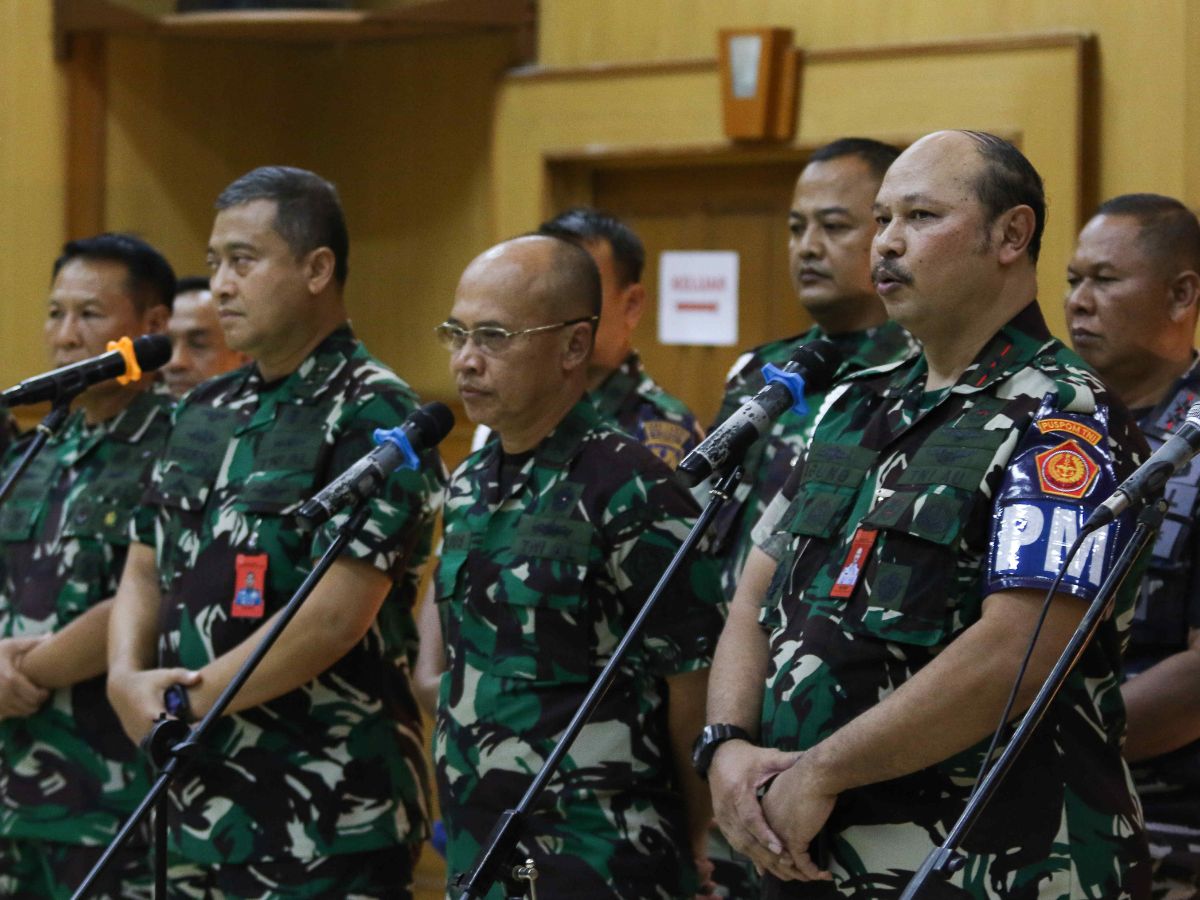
point(1009, 179)
point(308, 211)
point(583, 224)
point(573, 280)
point(876, 154)
point(1169, 230)
point(190, 283)
point(151, 280)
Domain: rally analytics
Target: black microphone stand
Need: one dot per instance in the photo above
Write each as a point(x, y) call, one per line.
point(503, 839)
point(945, 860)
point(172, 744)
point(45, 430)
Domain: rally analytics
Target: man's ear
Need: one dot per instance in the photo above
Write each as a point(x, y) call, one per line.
point(1014, 230)
point(319, 266)
point(578, 347)
point(1184, 294)
point(633, 304)
point(154, 319)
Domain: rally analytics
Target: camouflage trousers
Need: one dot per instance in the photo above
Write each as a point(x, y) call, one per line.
point(375, 875)
point(47, 870)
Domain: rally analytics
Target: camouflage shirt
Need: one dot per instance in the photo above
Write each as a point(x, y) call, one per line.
point(909, 508)
point(769, 461)
point(632, 401)
point(68, 773)
point(541, 573)
point(1168, 607)
point(335, 766)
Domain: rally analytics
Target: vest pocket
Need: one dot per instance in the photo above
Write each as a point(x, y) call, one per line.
point(904, 594)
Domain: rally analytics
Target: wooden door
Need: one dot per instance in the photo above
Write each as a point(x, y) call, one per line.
point(741, 207)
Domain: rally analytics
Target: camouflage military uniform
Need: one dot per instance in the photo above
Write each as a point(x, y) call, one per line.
point(334, 767)
point(908, 510)
point(68, 773)
point(632, 401)
point(540, 575)
point(769, 461)
point(1168, 606)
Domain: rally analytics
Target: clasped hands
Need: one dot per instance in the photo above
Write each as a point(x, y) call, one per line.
point(777, 830)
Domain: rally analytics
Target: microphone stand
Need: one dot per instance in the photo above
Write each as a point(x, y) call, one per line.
point(172, 743)
point(503, 839)
point(945, 860)
point(45, 430)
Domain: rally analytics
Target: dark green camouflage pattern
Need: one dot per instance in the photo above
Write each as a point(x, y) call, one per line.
point(374, 875)
point(769, 461)
point(336, 766)
point(537, 583)
point(48, 870)
point(1168, 608)
point(632, 400)
point(68, 773)
point(1065, 823)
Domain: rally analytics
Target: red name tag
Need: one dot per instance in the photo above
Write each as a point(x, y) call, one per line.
point(847, 579)
point(248, 586)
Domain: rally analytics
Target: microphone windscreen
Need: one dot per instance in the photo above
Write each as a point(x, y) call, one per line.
point(152, 351)
point(429, 425)
point(818, 361)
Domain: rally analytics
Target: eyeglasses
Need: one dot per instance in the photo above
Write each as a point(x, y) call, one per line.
point(492, 338)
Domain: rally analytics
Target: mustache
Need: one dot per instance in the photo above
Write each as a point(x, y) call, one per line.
point(892, 270)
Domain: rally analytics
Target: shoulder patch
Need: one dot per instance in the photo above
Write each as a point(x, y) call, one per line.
point(1066, 470)
point(1070, 426)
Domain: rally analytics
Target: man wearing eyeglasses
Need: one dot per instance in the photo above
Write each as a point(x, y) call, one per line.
point(555, 534)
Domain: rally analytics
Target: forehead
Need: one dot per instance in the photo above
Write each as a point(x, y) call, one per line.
point(101, 281)
point(250, 223)
point(942, 168)
point(843, 182)
point(194, 309)
point(1111, 239)
point(497, 288)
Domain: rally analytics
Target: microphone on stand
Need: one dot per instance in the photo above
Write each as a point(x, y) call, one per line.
point(125, 361)
point(424, 428)
point(811, 367)
point(1151, 475)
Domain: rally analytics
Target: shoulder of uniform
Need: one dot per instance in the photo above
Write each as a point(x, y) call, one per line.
point(1061, 371)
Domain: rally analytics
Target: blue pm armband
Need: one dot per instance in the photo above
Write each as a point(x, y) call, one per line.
point(397, 438)
point(793, 381)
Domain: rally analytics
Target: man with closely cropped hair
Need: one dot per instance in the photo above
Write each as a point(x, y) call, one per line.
point(68, 776)
point(1132, 301)
point(198, 348)
point(555, 534)
point(313, 783)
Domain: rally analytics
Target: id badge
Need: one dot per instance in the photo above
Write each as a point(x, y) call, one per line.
point(248, 585)
point(860, 546)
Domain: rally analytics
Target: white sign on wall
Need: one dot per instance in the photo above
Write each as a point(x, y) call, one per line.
point(698, 297)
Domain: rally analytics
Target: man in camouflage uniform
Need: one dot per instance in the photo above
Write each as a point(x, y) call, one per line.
point(1134, 290)
point(618, 384)
point(312, 785)
point(924, 524)
point(68, 776)
point(829, 249)
point(198, 348)
point(555, 534)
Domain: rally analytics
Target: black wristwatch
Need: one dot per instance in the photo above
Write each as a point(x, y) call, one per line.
point(177, 703)
point(712, 737)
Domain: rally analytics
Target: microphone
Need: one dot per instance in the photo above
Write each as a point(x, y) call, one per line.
point(1153, 473)
point(812, 365)
point(125, 361)
point(398, 447)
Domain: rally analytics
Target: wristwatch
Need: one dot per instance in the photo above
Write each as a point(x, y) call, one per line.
point(712, 737)
point(177, 704)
